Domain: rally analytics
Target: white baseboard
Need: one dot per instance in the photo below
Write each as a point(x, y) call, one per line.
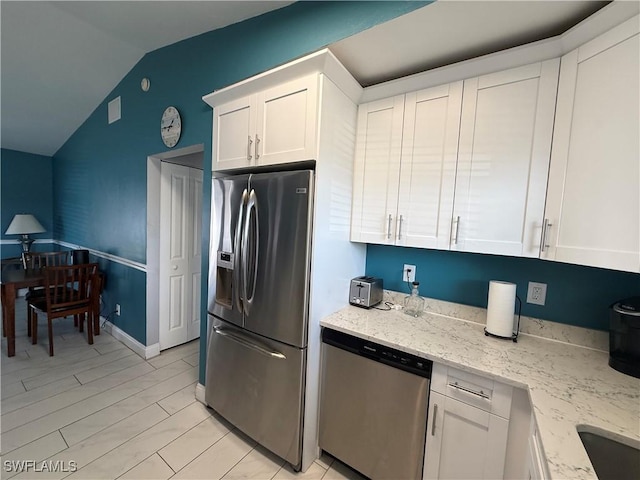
point(144, 351)
point(200, 393)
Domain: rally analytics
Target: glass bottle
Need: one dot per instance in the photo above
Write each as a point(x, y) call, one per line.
point(414, 303)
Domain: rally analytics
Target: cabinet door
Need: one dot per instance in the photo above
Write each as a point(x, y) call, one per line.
point(287, 122)
point(463, 442)
point(234, 126)
point(505, 143)
point(377, 170)
point(428, 166)
point(593, 202)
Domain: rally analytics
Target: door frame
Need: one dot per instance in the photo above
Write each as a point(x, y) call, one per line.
point(154, 163)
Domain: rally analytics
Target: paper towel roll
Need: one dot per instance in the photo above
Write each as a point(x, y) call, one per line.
point(500, 308)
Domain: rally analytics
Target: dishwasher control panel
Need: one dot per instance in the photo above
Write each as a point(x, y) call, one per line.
point(380, 353)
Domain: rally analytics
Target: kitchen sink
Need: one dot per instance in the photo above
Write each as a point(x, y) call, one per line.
point(610, 458)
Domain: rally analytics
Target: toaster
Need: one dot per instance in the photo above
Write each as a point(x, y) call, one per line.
point(365, 291)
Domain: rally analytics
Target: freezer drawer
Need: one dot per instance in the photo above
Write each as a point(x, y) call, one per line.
point(257, 385)
point(373, 416)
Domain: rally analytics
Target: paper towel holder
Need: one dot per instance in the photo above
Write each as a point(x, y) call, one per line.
point(514, 335)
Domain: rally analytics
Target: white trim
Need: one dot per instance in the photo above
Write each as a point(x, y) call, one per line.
point(200, 393)
point(7, 241)
point(119, 334)
point(112, 258)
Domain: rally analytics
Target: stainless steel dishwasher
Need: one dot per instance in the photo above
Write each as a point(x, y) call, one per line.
point(373, 406)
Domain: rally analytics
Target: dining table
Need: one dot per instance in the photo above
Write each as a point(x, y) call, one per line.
point(12, 280)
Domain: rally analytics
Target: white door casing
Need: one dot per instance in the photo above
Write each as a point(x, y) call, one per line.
point(180, 254)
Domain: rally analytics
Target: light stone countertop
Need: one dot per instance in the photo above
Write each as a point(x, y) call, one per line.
point(569, 385)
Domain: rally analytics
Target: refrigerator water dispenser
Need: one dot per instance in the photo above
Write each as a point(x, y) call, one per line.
point(224, 279)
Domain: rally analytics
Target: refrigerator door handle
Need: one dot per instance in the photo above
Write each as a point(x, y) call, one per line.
point(249, 344)
point(250, 250)
point(237, 276)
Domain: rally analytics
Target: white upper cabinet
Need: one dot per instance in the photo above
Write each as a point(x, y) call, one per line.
point(233, 133)
point(377, 170)
point(287, 122)
point(471, 173)
point(503, 158)
point(593, 200)
point(405, 168)
point(428, 167)
point(276, 125)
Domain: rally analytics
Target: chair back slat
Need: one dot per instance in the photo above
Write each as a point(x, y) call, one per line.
point(69, 286)
point(36, 260)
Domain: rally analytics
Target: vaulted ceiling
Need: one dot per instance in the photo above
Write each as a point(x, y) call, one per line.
point(61, 59)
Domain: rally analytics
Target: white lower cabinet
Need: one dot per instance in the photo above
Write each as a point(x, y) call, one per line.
point(468, 426)
point(536, 468)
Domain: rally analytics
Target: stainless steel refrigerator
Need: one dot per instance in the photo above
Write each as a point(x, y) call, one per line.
point(258, 305)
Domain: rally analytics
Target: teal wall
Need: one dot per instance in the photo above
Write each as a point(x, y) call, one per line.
point(25, 187)
point(99, 175)
point(576, 295)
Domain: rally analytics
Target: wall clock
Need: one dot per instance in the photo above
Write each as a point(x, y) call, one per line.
point(170, 126)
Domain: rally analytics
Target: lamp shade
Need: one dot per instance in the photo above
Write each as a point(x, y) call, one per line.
point(23, 224)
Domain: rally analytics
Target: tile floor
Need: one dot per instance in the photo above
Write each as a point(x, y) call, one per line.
point(102, 412)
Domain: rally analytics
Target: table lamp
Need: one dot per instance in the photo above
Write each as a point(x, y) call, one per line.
point(24, 224)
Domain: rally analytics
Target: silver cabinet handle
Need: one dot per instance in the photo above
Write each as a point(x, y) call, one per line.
point(457, 224)
point(545, 230)
point(400, 228)
point(257, 145)
point(480, 394)
point(249, 143)
point(389, 228)
point(249, 344)
point(433, 423)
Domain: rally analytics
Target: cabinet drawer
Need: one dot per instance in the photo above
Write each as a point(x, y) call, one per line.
point(481, 392)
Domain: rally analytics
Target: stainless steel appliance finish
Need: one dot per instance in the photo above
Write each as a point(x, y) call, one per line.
point(365, 291)
point(373, 408)
point(258, 305)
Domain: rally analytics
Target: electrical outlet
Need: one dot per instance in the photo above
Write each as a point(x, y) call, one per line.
point(537, 293)
point(117, 309)
point(408, 273)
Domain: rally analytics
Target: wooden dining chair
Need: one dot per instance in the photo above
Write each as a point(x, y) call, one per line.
point(35, 261)
point(69, 290)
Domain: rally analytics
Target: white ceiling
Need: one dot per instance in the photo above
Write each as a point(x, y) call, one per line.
point(61, 59)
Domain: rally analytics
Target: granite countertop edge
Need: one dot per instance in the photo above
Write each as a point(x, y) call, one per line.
point(568, 385)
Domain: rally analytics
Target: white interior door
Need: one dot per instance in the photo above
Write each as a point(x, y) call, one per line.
point(180, 254)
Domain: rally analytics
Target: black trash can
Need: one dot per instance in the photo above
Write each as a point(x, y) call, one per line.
point(79, 257)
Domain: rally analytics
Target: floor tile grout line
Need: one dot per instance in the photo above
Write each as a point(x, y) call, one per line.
point(112, 449)
point(97, 411)
point(162, 458)
point(201, 453)
point(84, 399)
point(135, 437)
point(60, 367)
